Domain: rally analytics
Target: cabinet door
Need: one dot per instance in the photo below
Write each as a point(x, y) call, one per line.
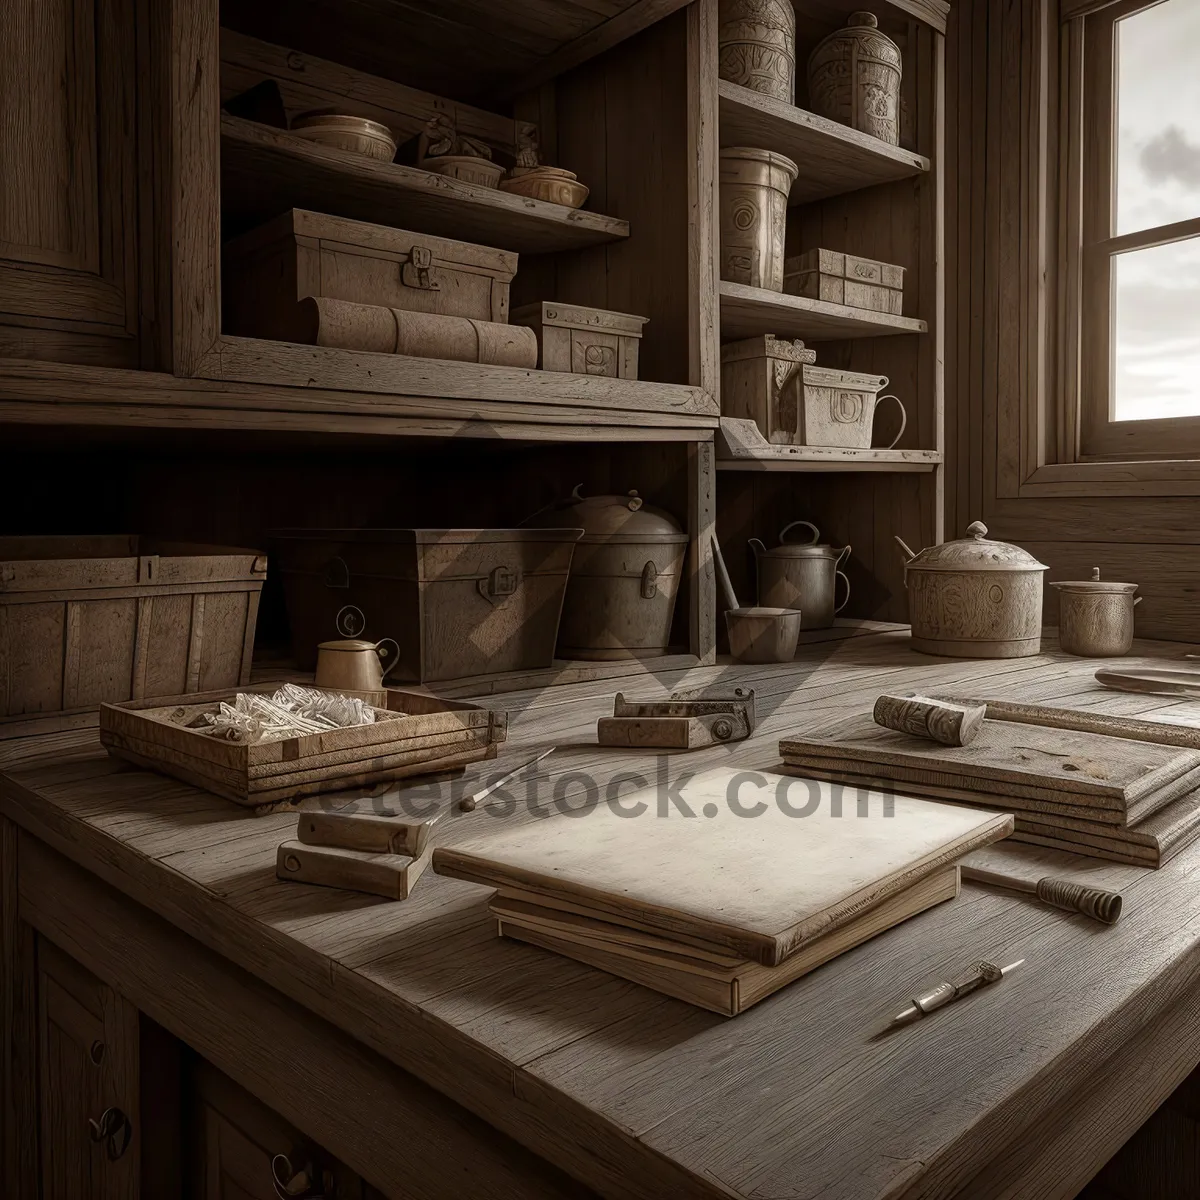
point(68, 206)
point(88, 1066)
point(236, 1142)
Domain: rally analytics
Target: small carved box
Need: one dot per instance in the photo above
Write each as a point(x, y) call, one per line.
point(759, 380)
point(845, 279)
point(582, 340)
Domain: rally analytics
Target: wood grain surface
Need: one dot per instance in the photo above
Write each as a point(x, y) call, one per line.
point(635, 1093)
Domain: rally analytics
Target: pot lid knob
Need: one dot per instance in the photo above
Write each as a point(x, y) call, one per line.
point(1095, 574)
point(635, 501)
point(978, 530)
point(870, 20)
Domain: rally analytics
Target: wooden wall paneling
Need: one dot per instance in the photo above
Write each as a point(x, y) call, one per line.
point(68, 216)
point(623, 128)
point(1010, 332)
point(18, 1020)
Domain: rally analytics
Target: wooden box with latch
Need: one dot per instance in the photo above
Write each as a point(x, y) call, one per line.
point(459, 602)
point(300, 253)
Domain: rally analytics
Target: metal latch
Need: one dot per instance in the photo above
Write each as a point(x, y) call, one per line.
point(418, 271)
point(503, 581)
point(649, 581)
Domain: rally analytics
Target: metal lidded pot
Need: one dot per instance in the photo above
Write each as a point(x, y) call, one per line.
point(974, 598)
point(1095, 616)
point(625, 575)
point(802, 575)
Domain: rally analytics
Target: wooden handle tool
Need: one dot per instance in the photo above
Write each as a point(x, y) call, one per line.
point(1060, 893)
point(923, 716)
point(1153, 681)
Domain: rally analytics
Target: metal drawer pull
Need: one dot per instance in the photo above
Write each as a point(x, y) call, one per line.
point(114, 1129)
point(297, 1185)
point(419, 272)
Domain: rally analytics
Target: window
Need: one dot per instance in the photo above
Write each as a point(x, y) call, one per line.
point(1138, 231)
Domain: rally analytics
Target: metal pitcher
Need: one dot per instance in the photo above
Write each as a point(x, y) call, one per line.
point(802, 575)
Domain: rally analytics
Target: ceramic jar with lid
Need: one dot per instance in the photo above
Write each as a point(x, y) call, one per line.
point(974, 598)
point(620, 599)
point(1095, 616)
point(802, 575)
point(854, 78)
point(756, 45)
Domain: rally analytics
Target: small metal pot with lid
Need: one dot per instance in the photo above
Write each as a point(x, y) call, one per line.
point(974, 598)
point(802, 575)
point(625, 576)
point(1095, 616)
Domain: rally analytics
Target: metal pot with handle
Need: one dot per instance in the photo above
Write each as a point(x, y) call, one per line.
point(802, 575)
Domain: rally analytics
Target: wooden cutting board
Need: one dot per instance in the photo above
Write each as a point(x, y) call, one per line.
point(1006, 759)
point(762, 885)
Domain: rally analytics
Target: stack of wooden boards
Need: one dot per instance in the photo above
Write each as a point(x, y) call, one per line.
point(365, 845)
point(740, 886)
point(1113, 797)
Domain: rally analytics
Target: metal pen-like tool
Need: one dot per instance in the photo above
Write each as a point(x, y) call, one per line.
point(946, 993)
point(469, 803)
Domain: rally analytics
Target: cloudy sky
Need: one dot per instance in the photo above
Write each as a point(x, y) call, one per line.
point(1158, 181)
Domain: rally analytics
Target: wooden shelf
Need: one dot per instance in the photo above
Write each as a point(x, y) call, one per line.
point(741, 447)
point(832, 158)
point(263, 388)
point(265, 171)
point(748, 311)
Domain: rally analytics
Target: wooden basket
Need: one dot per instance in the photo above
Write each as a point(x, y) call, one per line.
point(417, 735)
point(91, 619)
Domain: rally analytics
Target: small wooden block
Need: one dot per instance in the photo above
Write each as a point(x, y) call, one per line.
point(372, 832)
point(392, 876)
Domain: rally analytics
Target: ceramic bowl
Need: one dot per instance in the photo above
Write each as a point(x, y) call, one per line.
point(552, 184)
point(355, 134)
point(763, 635)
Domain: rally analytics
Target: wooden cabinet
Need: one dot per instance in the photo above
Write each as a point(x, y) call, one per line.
point(87, 1084)
point(68, 207)
point(236, 1148)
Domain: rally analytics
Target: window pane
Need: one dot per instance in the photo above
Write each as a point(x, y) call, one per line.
point(1156, 332)
point(1158, 116)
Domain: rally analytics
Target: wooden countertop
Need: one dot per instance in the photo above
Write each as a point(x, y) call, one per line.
point(638, 1094)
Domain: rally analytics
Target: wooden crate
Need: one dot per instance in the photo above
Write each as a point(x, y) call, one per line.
point(424, 735)
point(583, 340)
point(301, 253)
point(759, 381)
point(845, 279)
point(459, 602)
point(92, 619)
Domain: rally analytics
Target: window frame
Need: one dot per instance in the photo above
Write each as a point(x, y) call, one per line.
point(1094, 246)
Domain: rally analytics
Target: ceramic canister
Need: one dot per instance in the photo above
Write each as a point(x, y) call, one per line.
point(974, 598)
point(754, 187)
point(757, 46)
point(854, 78)
point(1095, 616)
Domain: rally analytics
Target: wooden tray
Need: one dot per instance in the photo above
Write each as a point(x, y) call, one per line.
point(426, 735)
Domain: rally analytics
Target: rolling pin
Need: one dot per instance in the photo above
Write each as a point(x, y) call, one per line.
point(345, 325)
point(1060, 893)
point(938, 720)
